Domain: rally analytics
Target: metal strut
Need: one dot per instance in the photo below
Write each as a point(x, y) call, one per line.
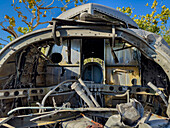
point(54, 33)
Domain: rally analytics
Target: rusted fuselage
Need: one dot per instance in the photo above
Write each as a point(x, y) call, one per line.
point(91, 67)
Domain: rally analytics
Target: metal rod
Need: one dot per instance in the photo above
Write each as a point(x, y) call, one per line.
point(79, 91)
point(42, 54)
point(117, 95)
point(50, 92)
point(64, 109)
point(88, 92)
point(159, 92)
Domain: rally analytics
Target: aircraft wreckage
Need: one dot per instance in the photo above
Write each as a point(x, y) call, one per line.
point(90, 68)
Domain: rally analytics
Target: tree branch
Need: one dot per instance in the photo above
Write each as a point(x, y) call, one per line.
point(44, 22)
point(21, 16)
point(1, 23)
point(32, 19)
point(12, 32)
point(49, 7)
point(38, 18)
point(4, 40)
point(50, 4)
point(26, 6)
point(35, 13)
point(25, 21)
point(65, 6)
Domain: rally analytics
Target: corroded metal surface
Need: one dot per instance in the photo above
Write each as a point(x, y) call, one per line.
point(112, 62)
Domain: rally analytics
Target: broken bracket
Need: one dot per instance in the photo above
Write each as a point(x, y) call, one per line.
point(54, 33)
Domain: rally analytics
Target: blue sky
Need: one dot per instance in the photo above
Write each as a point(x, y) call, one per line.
point(139, 5)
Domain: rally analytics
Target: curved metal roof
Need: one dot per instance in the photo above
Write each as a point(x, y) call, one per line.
point(92, 7)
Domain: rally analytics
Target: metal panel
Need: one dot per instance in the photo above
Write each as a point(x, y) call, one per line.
point(125, 57)
point(75, 51)
point(123, 78)
point(59, 74)
point(65, 71)
point(91, 7)
point(149, 49)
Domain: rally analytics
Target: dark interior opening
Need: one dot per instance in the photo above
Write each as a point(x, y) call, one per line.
point(152, 72)
point(93, 72)
point(56, 57)
point(93, 48)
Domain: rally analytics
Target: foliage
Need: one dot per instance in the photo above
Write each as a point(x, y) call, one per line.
point(155, 22)
point(32, 13)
